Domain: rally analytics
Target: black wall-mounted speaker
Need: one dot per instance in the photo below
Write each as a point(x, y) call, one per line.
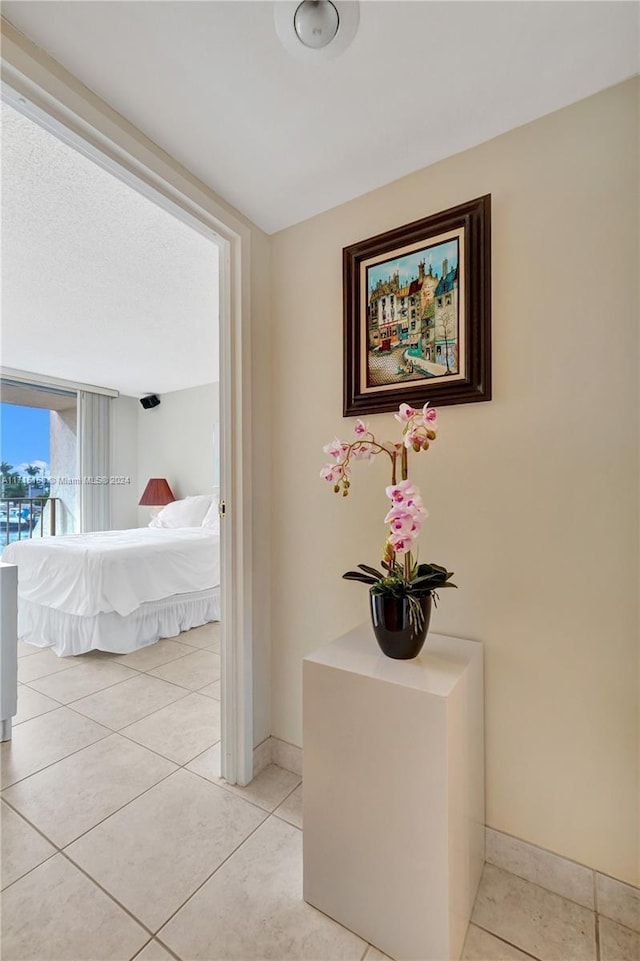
point(151, 401)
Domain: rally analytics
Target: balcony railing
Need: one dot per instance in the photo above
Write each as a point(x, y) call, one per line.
point(22, 518)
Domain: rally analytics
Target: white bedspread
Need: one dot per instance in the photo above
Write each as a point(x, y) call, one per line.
point(87, 574)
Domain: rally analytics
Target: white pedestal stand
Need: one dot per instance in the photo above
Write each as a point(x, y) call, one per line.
point(394, 791)
point(8, 646)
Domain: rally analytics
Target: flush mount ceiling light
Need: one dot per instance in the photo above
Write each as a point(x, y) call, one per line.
point(316, 29)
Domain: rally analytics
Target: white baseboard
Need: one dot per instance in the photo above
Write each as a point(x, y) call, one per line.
point(288, 756)
point(274, 751)
point(577, 882)
point(262, 756)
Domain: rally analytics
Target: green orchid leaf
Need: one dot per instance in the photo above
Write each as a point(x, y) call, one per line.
point(357, 576)
point(428, 579)
point(371, 570)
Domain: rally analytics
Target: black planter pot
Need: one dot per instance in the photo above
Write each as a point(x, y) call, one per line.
point(393, 629)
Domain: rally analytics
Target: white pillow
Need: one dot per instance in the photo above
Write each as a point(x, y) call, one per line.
point(188, 512)
point(212, 517)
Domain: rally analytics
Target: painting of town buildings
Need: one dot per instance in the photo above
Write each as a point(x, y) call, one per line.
point(413, 316)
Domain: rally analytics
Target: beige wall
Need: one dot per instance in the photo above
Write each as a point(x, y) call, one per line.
point(176, 441)
point(533, 497)
point(261, 433)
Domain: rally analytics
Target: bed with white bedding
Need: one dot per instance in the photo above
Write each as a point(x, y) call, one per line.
point(115, 590)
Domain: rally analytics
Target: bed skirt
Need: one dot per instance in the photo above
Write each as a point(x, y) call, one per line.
point(71, 634)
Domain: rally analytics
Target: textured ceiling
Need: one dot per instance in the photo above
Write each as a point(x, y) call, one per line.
point(99, 285)
point(283, 139)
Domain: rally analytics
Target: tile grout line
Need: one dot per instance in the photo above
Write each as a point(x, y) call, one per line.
point(112, 660)
point(107, 687)
point(131, 723)
point(62, 850)
point(522, 877)
point(132, 740)
point(177, 767)
point(117, 811)
point(16, 724)
point(143, 948)
point(560, 857)
point(110, 731)
point(346, 928)
point(215, 871)
point(532, 844)
point(292, 791)
point(267, 814)
point(74, 864)
point(19, 780)
point(511, 944)
point(619, 924)
point(111, 897)
point(168, 950)
point(43, 836)
point(231, 788)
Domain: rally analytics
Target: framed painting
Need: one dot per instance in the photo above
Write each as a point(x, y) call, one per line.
point(417, 313)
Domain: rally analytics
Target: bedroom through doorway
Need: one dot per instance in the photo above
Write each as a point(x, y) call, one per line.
point(112, 297)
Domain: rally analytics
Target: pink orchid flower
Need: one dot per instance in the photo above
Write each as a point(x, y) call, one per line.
point(407, 512)
point(414, 506)
point(415, 433)
point(405, 413)
point(401, 543)
point(391, 447)
point(327, 473)
point(336, 448)
point(399, 493)
point(333, 472)
point(400, 521)
point(363, 452)
point(429, 415)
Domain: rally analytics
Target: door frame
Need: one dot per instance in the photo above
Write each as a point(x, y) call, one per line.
point(38, 87)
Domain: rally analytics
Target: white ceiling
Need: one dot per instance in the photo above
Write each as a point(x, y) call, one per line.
point(99, 285)
point(283, 139)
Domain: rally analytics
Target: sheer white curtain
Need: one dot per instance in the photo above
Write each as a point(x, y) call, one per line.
point(94, 413)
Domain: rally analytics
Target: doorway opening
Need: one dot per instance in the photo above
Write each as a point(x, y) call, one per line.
point(234, 683)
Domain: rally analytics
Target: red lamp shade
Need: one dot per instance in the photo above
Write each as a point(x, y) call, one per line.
point(157, 493)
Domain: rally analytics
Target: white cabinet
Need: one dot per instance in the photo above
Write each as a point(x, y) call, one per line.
point(394, 791)
point(8, 646)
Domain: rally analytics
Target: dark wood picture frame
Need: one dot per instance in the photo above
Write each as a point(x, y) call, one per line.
point(401, 343)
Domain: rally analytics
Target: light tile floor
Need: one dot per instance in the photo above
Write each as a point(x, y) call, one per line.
point(121, 841)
